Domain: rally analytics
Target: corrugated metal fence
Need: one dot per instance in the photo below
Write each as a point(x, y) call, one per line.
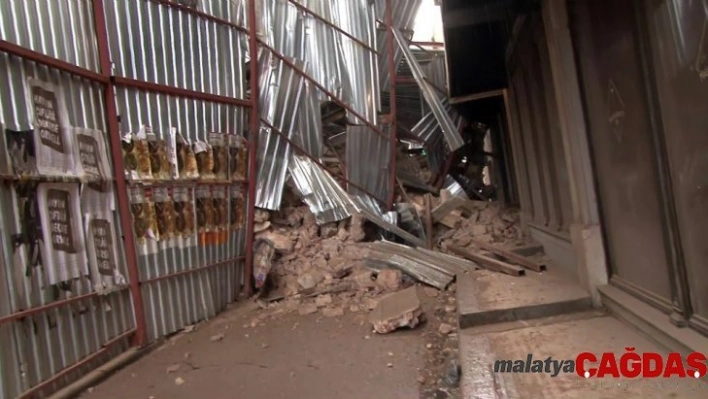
point(75, 290)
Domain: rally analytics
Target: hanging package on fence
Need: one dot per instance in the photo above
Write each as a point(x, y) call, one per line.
point(206, 214)
point(159, 160)
point(205, 159)
point(219, 196)
point(238, 208)
point(184, 216)
point(136, 155)
point(53, 138)
point(238, 157)
point(63, 249)
point(92, 154)
point(98, 206)
point(143, 211)
point(186, 160)
point(219, 143)
point(164, 212)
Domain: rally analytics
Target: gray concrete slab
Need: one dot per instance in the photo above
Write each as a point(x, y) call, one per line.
point(489, 297)
point(561, 341)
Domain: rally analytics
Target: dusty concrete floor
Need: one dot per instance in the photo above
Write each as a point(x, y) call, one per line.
point(293, 356)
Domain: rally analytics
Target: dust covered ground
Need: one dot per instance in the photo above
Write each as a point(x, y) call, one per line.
point(249, 352)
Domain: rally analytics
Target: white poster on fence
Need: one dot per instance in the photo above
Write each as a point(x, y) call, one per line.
point(91, 154)
point(101, 245)
point(54, 147)
point(63, 244)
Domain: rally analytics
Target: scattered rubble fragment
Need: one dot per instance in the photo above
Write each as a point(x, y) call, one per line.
point(217, 337)
point(397, 310)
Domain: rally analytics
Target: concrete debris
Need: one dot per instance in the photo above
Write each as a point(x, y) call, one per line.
point(173, 368)
point(309, 280)
point(261, 216)
point(217, 337)
point(260, 227)
point(323, 300)
point(398, 310)
point(179, 381)
point(445, 329)
point(333, 312)
point(306, 309)
point(389, 279)
point(348, 265)
point(282, 243)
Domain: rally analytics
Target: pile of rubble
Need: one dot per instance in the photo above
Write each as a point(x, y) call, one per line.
point(346, 267)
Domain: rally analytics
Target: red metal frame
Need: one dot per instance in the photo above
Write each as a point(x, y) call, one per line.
point(53, 305)
point(106, 346)
point(121, 186)
point(25, 53)
point(392, 98)
point(194, 270)
point(178, 92)
point(208, 17)
point(252, 142)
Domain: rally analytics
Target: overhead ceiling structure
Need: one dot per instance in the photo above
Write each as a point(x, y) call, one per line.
point(476, 33)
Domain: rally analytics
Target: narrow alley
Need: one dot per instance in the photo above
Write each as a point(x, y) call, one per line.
point(353, 199)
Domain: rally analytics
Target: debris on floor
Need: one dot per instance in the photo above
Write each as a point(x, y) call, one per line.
point(374, 269)
point(398, 310)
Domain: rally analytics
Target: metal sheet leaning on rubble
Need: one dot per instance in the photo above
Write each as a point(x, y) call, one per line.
point(452, 136)
point(417, 268)
point(429, 260)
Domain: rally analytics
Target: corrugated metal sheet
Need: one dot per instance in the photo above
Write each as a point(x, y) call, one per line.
point(454, 188)
point(282, 92)
point(322, 194)
point(160, 44)
point(429, 131)
point(436, 71)
point(50, 27)
point(449, 130)
point(369, 166)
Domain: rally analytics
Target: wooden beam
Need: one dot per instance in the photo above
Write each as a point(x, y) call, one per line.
point(511, 256)
point(487, 262)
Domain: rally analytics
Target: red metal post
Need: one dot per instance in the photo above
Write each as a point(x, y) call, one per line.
point(255, 125)
point(121, 186)
point(392, 99)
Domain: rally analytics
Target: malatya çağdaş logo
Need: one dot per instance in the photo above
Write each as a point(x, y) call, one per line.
point(609, 365)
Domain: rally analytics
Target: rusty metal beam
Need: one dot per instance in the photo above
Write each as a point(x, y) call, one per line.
point(31, 55)
point(392, 101)
point(254, 129)
point(179, 92)
point(53, 305)
point(32, 392)
point(189, 10)
point(121, 186)
point(191, 271)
